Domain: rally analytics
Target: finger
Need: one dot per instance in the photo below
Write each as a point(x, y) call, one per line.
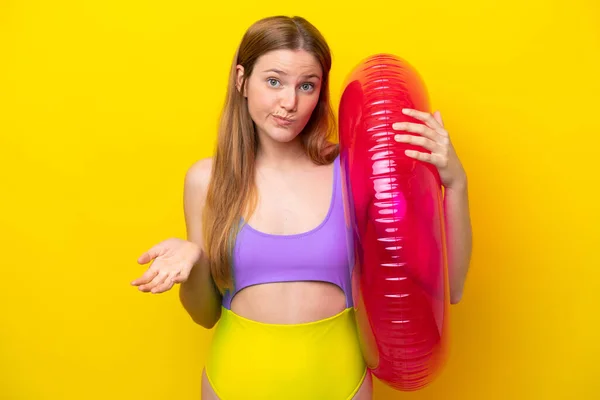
point(157, 280)
point(164, 286)
point(438, 117)
point(151, 254)
point(432, 158)
point(148, 256)
point(421, 129)
point(144, 279)
point(179, 278)
point(427, 144)
point(425, 117)
point(145, 258)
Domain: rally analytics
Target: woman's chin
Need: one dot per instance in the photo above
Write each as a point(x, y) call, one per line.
point(282, 135)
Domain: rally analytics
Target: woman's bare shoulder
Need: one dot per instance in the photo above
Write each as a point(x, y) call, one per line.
point(196, 183)
point(198, 174)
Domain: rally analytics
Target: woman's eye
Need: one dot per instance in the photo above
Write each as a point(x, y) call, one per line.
point(307, 86)
point(272, 82)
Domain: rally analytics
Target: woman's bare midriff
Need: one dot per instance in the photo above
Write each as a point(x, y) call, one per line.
point(289, 302)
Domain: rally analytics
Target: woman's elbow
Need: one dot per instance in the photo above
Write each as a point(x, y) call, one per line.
point(456, 291)
point(455, 297)
point(207, 323)
point(206, 317)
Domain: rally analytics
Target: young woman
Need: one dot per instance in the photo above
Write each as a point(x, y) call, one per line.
point(266, 253)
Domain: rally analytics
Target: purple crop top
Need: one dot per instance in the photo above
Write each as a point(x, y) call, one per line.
point(320, 254)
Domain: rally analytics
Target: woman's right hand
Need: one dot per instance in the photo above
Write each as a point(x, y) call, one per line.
point(172, 261)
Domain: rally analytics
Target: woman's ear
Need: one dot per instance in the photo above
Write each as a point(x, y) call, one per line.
point(240, 79)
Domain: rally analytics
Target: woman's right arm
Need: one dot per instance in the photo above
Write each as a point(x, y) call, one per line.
point(199, 295)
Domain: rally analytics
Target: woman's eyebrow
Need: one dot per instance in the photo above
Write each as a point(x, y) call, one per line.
point(284, 73)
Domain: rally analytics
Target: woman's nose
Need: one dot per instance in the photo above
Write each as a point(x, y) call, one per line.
point(289, 99)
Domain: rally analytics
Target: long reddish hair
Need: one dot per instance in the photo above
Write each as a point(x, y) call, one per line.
point(232, 191)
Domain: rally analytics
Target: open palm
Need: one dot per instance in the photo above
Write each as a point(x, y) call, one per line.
point(172, 260)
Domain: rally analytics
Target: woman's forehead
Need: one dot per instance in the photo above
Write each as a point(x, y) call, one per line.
point(289, 62)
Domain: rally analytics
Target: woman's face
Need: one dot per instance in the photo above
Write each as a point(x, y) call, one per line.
point(282, 93)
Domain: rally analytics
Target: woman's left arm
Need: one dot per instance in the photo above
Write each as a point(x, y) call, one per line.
point(459, 239)
point(433, 137)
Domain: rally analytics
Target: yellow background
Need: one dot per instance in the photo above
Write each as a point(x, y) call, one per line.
point(105, 104)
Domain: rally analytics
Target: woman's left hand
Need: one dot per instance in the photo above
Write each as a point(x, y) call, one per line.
point(433, 137)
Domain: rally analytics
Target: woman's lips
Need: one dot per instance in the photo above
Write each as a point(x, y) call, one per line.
point(282, 121)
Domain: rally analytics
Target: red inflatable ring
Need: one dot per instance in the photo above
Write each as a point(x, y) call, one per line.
point(395, 222)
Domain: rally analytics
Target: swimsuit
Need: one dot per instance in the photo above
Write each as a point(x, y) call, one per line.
point(315, 360)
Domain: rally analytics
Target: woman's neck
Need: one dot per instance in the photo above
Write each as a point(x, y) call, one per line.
point(282, 156)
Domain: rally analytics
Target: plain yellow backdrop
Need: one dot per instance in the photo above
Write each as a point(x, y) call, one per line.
point(105, 104)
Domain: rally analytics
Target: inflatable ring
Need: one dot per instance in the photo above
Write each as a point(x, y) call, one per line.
point(394, 214)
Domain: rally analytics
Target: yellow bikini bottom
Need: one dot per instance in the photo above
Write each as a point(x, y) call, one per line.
point(314, 360)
